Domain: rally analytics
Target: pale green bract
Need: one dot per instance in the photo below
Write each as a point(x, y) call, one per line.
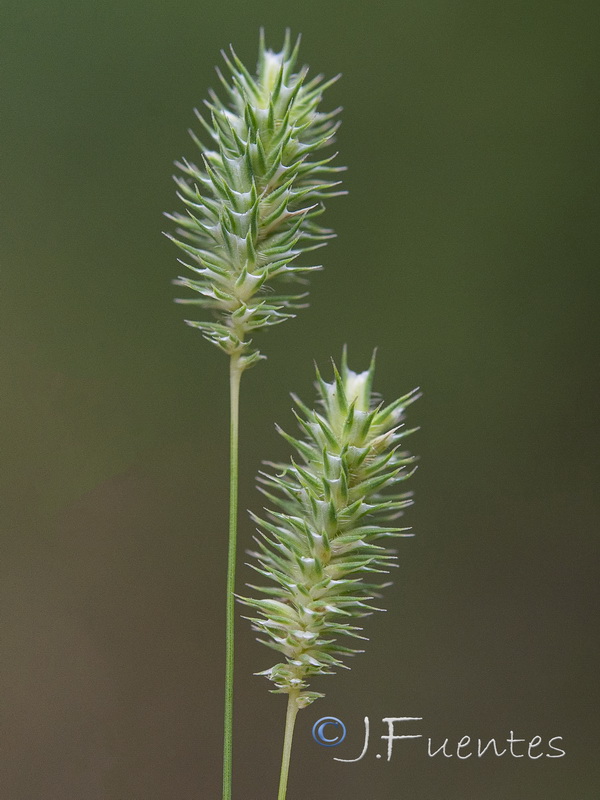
point(329, 509)
point(251, 206)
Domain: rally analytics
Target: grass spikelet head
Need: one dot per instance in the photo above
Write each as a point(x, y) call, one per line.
point(252, 200)
point(319, 542)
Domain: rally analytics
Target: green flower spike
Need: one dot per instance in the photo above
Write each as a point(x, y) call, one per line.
point(251, 206)
point(329, 509)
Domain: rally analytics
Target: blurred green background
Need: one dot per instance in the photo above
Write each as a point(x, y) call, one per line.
point(467, 252)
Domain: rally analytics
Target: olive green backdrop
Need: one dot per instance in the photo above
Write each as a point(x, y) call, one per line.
point(466, 252)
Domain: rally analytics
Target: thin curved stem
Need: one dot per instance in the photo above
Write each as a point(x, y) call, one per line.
point(290, 721)
point(235, 374)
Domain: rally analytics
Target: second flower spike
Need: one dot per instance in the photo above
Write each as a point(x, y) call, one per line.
point(329, 509)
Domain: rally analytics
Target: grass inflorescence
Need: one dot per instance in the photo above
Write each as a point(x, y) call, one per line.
point(329, 509)
point(252, 205)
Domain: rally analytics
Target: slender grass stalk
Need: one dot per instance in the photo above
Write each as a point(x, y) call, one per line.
point(290, 721)
point(250, 212)
point(328, 509)
point(235, 375)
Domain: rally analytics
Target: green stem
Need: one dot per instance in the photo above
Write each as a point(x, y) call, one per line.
point(290, 720)
point(235, 374)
